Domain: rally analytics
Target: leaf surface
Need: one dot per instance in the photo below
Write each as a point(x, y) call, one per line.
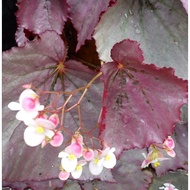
point(39, 16)
point(85, 16)
point(141, 102)
point(159, 26)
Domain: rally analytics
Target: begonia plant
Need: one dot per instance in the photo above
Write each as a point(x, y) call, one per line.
point(95, 91)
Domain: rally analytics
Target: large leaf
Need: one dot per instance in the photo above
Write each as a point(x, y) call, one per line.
point(159, 26)
point(34, 63)
point(85, 16)
point(39, 16)
point(141, 102)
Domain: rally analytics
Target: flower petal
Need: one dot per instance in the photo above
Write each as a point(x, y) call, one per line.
point(22, 115)
point(54, 118)
point(171, 153)
point(110, 161)
point(169, 142)
point(28, 93)
point(76, 173)
point(14, 106)
point(48, 133)
point(68, 164)
point(63, 175)
point(63, 154)
point(57, 139)
point(88, 154)
point(94, 168)
point(76, 149)
point(45, 123)
point(32, 138)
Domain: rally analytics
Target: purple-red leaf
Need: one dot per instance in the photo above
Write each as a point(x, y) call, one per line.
point(141, 102)
point(39, 16)
point(85, 16)
point(161, 27)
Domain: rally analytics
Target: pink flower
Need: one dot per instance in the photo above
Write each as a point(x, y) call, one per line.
point(88, 154)
point(168, 146)
point(63, 175)
point(153, 157)
point(28, 106)
point(37, 131)
point(55, 141)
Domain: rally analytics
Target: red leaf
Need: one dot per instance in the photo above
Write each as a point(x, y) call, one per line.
point(142, 102)
point(161, 27)
point(85, 16)
point(39, 16)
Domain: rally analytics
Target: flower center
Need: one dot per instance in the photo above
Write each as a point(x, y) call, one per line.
point(156, 164)
point(96, 160)
point(108, 157)
point(40, 129)
point(71, 156)
point(79, 167)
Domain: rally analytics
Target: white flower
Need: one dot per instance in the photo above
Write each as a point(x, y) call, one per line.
point(78, 170)
point(168, 186)
point(69, 160)
point(37, 131)
point(96, 164)
point(101, 159)
point(109, 158)
point(27, 107)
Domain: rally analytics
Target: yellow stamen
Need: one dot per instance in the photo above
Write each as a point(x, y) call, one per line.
point(156, 164)
point(96, 160)
point(71, 156)
point(108, 157)
point(79, 167)
point(40, 129)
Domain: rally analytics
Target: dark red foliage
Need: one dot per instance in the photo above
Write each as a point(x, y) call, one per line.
point(141, 102)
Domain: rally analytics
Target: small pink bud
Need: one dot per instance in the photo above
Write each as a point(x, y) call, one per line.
point(27, 86)
point(28, 104)
point(171, 153)
point(88, 155)
point(63, 175)
point(169, 143)
point(54, 118)
point(76, 149)
point(57, 140)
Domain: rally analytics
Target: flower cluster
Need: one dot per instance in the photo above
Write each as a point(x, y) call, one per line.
point(70, 163)
point(40, 129)
point(155, 156)
point(168, 186)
